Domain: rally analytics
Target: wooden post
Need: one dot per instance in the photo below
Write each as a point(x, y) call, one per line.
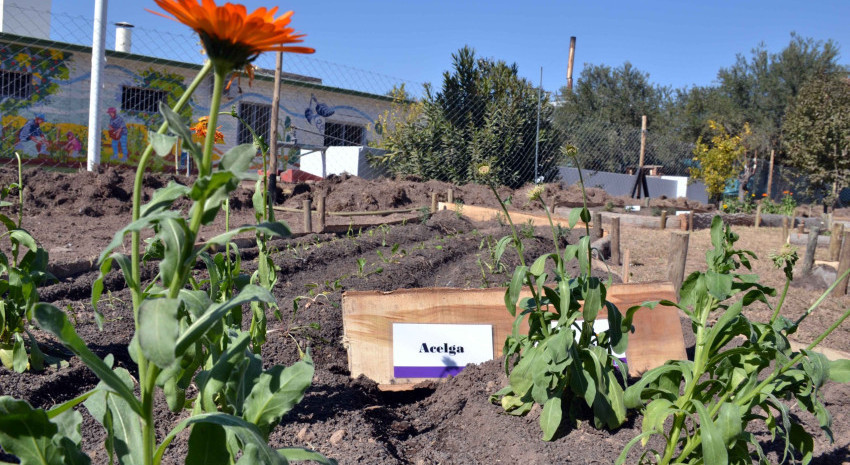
point(272, 174)
point(626, 256)
point(801, 228)
point(646, 202)
point(320, 209)
point(570, 62)
point(663, 219)
point(811, 248)
point(433, 202)
point(308, 217)
point(784, 229)
point(758, 216)
point(677, 258)
point(835, 241)
point(450, 196)
point(615, 240)
point(596, 233)
point(843, 264)
point(691, 220)
point(642, 141)
point(770, 174)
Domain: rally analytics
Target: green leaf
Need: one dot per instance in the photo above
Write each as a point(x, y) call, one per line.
point(178, 127)
point(583, 383)
point(550, 418)
point(515, 287)
point(27, 433)
point(54, 321)
point(729, 422)
point(540, 264)
point(238, 161)
point(277, 228)
point(20, 361)
point(802, 442)
point(162, 144)
point(177, 241)
point(135, 226)
point(594, 295)
point(117, 416)
point(574, 216)
point(22, 237)
point(200, 326)
point(246, 432)
point(298, 454)
point(158, 330)
point(163, 198)
point(719, 284)
point(655, 415)
point(212, 382)
point(713, 446)
point(208, 445)
point(276, 392)
point(839, 370)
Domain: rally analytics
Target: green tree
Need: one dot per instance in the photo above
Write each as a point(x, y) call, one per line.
point(484, 113)
point(722, 158)
point(816, 134)
point(602, 117)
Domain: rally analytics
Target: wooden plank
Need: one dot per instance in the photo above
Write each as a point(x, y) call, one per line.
point(368, 317)
point(476, 213)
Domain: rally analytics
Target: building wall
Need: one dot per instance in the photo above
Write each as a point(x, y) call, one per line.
point(61, 79)
point(618, 184)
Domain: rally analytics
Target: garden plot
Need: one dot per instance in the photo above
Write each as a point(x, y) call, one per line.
point(351, 420)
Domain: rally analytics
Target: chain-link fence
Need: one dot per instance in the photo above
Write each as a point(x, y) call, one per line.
point(333, 118)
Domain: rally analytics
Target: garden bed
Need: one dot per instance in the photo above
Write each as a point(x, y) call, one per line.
point(351, 420)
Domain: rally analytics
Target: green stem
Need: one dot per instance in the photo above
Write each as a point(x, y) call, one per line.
point(823, 296)
point(148, 385)
point(554, 237)
point(137, 190)
point(20, 192)
point(777, 309)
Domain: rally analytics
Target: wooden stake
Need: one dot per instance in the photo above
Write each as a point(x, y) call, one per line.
point(758, 216)
point(433, 202)
point(450, 196)
point(570, 62)
point(784, 229)
point(596, 233)
point(642, 140)
point(801, 228)
point(320, 209)
point(811, 248)
point(626, 256)
point(835, 241)
point(308, 218)
point(691, 220)
point(663, 220)
point(678, 257)
point(615, 240)
point(770, 174)
point(646, 202)
point(843, 264)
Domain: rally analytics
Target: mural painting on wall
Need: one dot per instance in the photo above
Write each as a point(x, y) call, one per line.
point(316, 112)
point(31, 133)
point(124, 137)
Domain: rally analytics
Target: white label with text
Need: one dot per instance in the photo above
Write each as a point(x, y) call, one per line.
point(439, 350)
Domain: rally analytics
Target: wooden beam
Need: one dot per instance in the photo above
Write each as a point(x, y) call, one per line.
point(476, 213)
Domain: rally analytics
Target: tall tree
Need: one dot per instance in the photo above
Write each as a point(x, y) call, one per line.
point(483, 113)
point(816, 134)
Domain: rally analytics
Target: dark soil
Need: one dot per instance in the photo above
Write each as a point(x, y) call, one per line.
point(351, 420)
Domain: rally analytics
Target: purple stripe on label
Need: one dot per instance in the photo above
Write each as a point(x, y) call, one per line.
point(425, 372)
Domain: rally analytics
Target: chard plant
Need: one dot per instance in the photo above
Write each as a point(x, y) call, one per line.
point(182, 334)
point(562, 363)
point(21, 273)
point(742, 372)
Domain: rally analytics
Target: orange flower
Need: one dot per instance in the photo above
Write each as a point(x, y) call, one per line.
point(764, 194)
point(231, 36)
point(200, 130)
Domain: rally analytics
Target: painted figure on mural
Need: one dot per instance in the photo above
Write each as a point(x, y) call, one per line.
point(31, 140)
point(316, 112)
point(72, 146)
point(118, 134)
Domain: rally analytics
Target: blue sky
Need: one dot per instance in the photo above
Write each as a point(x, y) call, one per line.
point(679, 43)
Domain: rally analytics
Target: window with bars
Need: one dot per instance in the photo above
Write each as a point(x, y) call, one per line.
point(141, 99)
point(256, 115)
point(15, 84)
point(343, 134)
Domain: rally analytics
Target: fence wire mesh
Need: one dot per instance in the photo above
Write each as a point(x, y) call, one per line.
point(334, 118)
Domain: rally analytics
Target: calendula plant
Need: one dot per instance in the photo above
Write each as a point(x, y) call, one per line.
point(742, 372)
point(183, 335)
point(562, 362)
point(20, 275)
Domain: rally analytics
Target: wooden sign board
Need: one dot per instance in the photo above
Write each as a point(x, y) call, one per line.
point(368, 317)
point(476, 213)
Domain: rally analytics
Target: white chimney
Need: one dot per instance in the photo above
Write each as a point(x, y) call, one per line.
point(123, 37)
